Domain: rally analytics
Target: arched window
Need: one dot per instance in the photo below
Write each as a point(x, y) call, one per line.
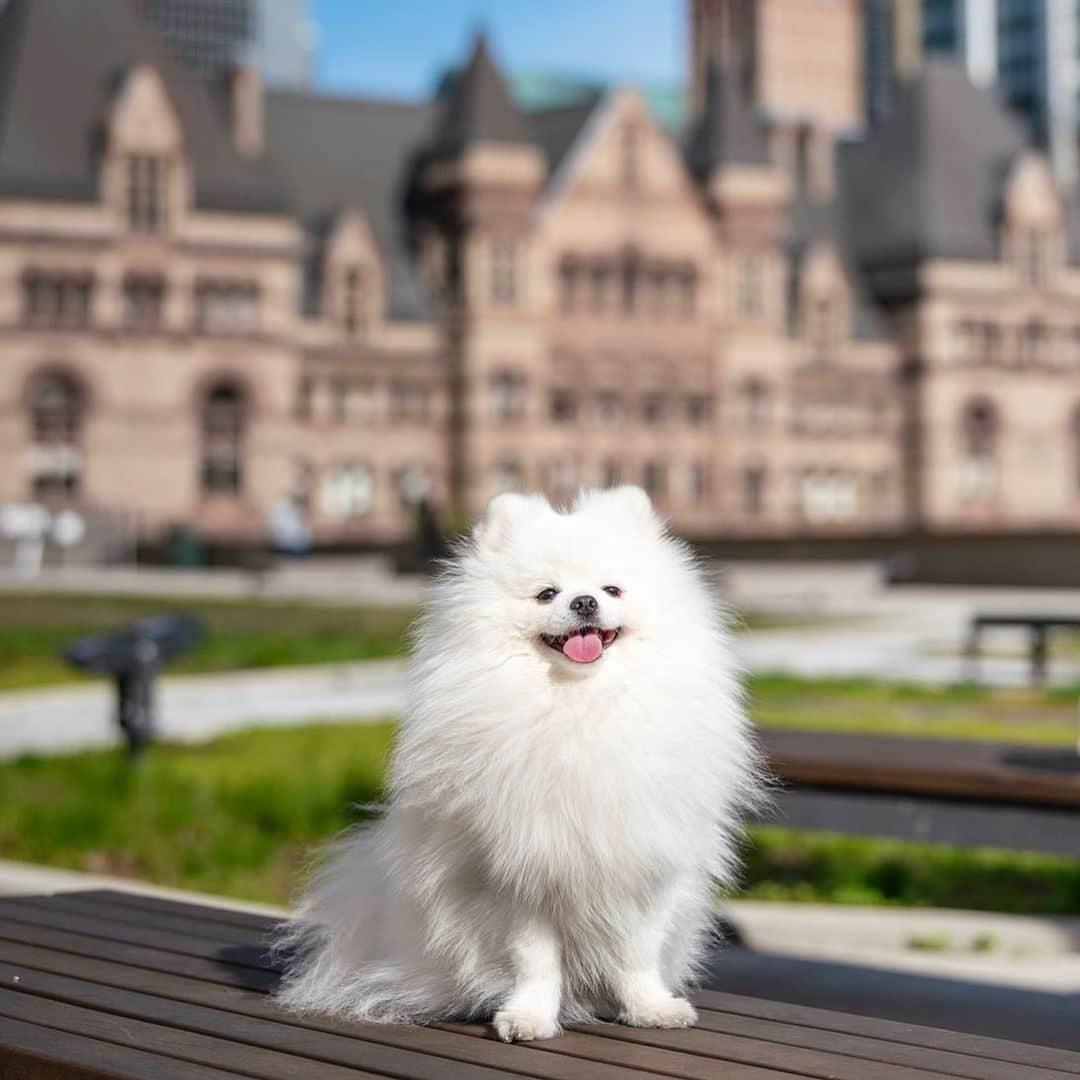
point(222, 423)
point(979, 434)
point(347, 491)
point(57, 409)
point(753, 401)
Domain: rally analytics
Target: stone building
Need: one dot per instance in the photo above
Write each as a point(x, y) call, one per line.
point(215, 299)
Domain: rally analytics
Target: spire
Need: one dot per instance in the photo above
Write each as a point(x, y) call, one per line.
point(477, 106)
point(727, 131)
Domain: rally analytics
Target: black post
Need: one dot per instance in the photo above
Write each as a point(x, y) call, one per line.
point(1038, 653)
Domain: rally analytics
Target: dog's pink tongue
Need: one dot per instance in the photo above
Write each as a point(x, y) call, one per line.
point(583, 648)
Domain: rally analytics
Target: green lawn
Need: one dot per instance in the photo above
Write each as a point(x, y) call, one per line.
point(242, 633)
point(241, 815)
point(1045, 717)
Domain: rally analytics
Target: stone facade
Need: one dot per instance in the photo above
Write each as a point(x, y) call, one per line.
point(215, 302)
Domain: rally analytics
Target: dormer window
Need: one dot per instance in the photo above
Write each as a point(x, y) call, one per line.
point(146, 193)
point(504, 285)
point(1033, 256)
point(629, 163)
point(353, 313)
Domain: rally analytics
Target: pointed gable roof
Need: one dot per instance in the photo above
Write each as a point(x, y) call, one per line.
point(61, 64)
point(727, 132)
point(928, 182)
point(477, 107)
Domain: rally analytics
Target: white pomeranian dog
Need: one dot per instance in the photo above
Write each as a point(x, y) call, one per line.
point(564, 795)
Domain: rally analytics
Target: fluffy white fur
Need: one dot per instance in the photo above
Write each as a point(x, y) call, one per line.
point(554, 830)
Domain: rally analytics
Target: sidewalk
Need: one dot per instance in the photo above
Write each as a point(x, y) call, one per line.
point(198, 707)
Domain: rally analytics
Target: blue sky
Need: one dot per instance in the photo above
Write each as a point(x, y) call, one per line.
point(397, 49)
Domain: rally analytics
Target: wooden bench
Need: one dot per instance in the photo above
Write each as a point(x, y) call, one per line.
point(1038, 627)
point(112, 984)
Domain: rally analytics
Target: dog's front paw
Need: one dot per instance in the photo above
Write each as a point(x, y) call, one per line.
point(665, 1012)
point(521, 1025)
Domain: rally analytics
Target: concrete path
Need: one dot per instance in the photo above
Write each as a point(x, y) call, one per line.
point(193, 708)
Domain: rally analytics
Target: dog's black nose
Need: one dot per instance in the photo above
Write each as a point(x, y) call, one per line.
point(584, 605)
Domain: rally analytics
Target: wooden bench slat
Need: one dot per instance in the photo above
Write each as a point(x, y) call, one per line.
point(208, 912)
point(748, 1051)
point(892, 1030)
point(168, 1041)
point(32, 1050)
point(585, 1042)
point(193, 967)
point(174, 924)
point(110, 930)
point(966, 1065)
point(246, 1015)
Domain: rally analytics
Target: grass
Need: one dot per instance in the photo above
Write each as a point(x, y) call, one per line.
point(963, 711)
point(238, 817)
point(248, 633)
point(785, 864)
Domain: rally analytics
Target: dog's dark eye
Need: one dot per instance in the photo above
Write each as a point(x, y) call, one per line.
point(545, 596)
point(613, 590)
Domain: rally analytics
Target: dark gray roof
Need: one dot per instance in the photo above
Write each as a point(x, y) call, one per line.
point(927, 183)
point(476, 107)
point(61, 62)
point(556, 130)
point(333, 154)
point(727, 131)
point(813, 221)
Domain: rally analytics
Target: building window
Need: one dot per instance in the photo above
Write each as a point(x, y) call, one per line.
point(146, 199)
point(560, 478)
point(353, 302)
point(979, 438)
point(654, 479)
point(686, 291)
point(359, 402)
point(507, 475)
point(409, 401)
point(610, 474)
point(1032, 253)
point(223, 422)
point(653, 408)
point(754, 403)
point(57, 299)
point(57, 410)
point(563, 406)
point(347, 492)
point(750, 285)
point(144, 302)
point(1034, 343)
point(600, 287)
point(305, 396)
point(828, 494)
point(698, 409)
point(569, 283)
point(412, 484)
point(753, 489)
point(608, 407)
point(821, 326)
point(697, 482)
point(508, 395)
point(629, 273)
point(503, 272)
point(226, 307)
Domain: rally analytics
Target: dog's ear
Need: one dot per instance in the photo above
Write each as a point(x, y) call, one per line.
point(629, 500)
point(504, 514)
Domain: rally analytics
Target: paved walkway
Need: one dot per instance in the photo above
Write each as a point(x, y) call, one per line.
point(198, 707)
